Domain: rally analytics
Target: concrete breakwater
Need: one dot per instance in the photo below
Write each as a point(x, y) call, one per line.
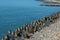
point(55, 5)
point(26, 31)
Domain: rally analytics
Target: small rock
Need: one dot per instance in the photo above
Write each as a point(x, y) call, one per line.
point(49, 30)
point(41, 36)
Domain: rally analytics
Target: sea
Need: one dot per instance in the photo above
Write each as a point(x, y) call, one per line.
point(12, 17)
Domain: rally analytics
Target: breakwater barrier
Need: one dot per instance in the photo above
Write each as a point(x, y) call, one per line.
point(55, 5)
point(27, 30)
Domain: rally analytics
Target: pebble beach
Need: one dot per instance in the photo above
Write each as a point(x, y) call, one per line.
point(51, 32)
point(47, 28)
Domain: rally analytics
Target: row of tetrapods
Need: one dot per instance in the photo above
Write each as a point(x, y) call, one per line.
point(27, 30)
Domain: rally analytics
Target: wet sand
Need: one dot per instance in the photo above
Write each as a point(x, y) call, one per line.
point(48, 33)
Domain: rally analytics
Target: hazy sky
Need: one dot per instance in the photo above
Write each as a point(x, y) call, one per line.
point(18, 3)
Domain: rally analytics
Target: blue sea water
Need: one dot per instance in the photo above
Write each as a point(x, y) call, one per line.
point(12, 17)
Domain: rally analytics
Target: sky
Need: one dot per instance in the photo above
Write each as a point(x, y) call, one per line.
point(18, 3)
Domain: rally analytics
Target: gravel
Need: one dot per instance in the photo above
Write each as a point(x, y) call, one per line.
point(48, 33)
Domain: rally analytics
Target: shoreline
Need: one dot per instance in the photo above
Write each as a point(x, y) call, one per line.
point(29, 30)
point(48, 33)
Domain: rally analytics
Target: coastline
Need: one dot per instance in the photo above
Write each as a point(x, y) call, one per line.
point(48, 33)
point(38, 30)
point(55, 5)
